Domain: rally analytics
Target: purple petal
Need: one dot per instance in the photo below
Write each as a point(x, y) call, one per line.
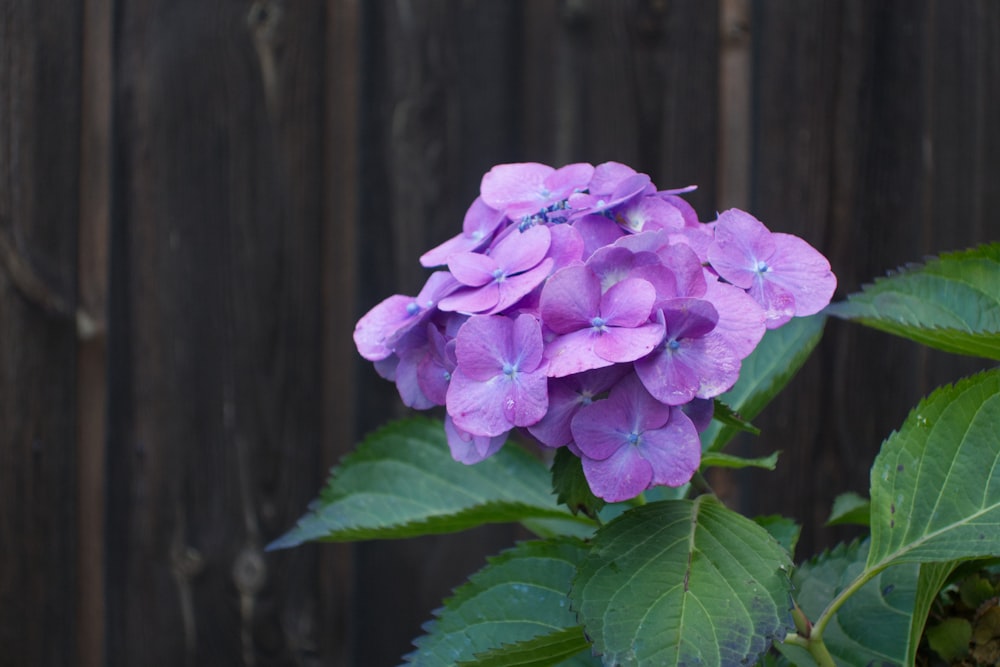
point(470, 449)
point(482, 346)
point(472, 299)
point(570, 299)
point(526, 399)
point(472, 268)
point(382, 323)
point(477, 230)
point(622, 476)
point(566, 247)
point(741, 319)
point(513, 288)
point(622, 345)
point(521, 251)
point(628, 303)
point(741, 243)
point(674, 451)
point(476, 405)
point(607, 177)
point(777, 302)
point(573, 353)
point(597, 232)
point(512, 185)
point(803, 271)
point(526, 341)
point(689, 318)
point(563, 181)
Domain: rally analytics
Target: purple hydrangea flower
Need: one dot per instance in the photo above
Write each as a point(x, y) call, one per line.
point(783, 273)
point(566, 396)
point(691, 361)
point(595, 329)
point(530, 189)
point(377, 333)
point(480, 223)
point(496, 281)
point(500, 381)
point(630, 441)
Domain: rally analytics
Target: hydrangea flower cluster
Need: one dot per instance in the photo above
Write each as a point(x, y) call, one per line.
point(595, 312)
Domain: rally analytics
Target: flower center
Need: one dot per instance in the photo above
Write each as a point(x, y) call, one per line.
point(412, 308)
point(509, 369)
point(598, 323)
point(633, 438)
point(673, 345)
point(762, 267)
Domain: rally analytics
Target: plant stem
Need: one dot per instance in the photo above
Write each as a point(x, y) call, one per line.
point(817, 649)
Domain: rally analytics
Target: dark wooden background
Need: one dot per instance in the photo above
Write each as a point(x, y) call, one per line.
point(198, 198)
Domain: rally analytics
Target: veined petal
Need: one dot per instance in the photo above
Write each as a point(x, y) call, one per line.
point(628, 303)
point(621, 344)
point(741, 242)
point(472, 268)
point(476, 405)
point(803, 271)
point(513, 288)
point(673, 451)
point(573, 353)
point(520, 251)
point(622, 476)
point(512, 185)
point(526, 399)
point(483, 346)
point(526, 341)
point(570, 298)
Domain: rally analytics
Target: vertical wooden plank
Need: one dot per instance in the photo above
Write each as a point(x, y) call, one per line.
point(91, 392)
point(215, 419)
point(437, 103)
point(341, 274)
point(628, 81)
point(39, 187)
point(844, 148)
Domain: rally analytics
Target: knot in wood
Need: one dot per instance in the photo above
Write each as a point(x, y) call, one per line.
point(249, 571)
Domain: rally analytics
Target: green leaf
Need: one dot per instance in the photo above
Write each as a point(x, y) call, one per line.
point(765, 372)
point(935, 486)
point(850, 509)
point(930, 580)
point(950, 638)
point(782, 529)
point(543, 651)
point(873, 625)
point(517, 603)
point(571, 486)
point(951, 303)
point(683, 582)
point(720, 460)
point(728, 417)
point(402, 482)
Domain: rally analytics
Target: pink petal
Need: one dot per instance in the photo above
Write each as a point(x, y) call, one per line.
point(622, 476)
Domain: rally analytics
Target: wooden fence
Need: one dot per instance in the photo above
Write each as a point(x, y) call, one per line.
point(199, 197)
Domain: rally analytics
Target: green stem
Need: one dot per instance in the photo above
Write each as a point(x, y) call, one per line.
point(820, 625)
point(817, 649)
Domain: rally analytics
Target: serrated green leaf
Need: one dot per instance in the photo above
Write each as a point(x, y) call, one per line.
point(782, 529)
point(765, 372)
point(951, 303)
point(555, 648)
point(683, 582)
point(517, 601)
point(935, 486)
point(720, 460)
point(873, 625)
point(402, 482)
point(850, 509)
point(570, 484)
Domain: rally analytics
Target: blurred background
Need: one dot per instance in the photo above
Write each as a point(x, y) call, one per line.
point(198, 198)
